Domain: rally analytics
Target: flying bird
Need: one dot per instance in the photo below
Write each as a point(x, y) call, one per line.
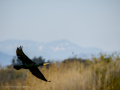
point(29, 64)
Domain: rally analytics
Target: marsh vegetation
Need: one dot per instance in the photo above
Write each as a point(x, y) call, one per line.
point(101, 73)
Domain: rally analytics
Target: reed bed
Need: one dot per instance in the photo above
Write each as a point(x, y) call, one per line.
point(96, 74)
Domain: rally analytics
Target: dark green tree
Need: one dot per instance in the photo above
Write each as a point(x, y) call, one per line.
point(38, 60)
point(35, 59)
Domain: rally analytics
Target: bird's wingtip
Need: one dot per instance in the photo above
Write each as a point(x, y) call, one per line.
point(48, 81)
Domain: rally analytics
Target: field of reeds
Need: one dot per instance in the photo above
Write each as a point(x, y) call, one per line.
point(101, 73)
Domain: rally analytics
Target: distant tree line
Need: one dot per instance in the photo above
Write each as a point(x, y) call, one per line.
point(35, 59)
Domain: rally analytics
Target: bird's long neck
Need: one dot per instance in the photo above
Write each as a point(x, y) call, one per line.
point(40, 64)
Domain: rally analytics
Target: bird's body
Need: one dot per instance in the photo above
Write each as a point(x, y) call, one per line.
point(28, 64)
point(24, 66)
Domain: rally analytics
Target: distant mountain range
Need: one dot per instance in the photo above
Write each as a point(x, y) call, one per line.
point(5, 59)
point(55, 50)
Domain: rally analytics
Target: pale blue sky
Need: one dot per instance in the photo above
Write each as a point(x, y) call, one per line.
point(87, 23)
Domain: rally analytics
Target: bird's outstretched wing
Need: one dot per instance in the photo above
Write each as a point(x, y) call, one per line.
point(20, 54)
point(35, 71)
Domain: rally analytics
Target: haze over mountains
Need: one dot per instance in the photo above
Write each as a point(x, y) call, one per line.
point(55, 50)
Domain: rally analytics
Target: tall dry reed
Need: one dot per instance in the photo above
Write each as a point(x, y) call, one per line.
point(98, 74)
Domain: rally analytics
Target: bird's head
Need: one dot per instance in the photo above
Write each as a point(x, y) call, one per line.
point(45, 64)
point(42, 64)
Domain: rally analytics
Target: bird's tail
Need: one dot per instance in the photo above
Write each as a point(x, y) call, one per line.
point(17, 67)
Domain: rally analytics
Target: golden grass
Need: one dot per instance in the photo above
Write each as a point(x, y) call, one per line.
point(99, 74)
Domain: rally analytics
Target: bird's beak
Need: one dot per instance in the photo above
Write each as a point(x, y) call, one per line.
point(46, 63)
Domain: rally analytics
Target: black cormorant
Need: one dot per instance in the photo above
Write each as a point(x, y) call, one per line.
point(29, 64)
